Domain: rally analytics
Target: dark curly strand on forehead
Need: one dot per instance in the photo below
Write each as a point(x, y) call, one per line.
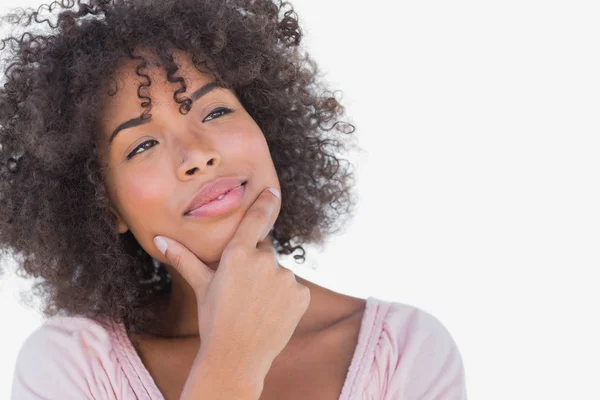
point(54, 215)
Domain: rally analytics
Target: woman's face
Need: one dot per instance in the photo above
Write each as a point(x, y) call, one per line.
point(150, 188)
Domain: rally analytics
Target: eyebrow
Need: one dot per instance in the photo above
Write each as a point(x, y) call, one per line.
point(138, 121)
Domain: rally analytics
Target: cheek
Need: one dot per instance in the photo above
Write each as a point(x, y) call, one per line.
point(142, 193)
point(249, 147)
point(247, 141)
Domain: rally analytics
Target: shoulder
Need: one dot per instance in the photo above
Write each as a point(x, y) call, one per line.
point(66, 337)
point(416, 328)
point(67, 357)
point(416, 353)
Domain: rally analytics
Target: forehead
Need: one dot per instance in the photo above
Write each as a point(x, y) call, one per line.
point(125, 104)
point(126, 81)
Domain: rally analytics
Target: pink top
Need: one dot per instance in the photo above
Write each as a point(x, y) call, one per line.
point(402, 353)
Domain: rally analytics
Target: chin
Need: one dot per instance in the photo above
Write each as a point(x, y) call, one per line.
point(212, 257)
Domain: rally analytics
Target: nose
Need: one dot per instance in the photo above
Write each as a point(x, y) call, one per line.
point(196, 159)
point(202, 162)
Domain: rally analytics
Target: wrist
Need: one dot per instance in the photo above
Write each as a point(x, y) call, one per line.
point(237, 375)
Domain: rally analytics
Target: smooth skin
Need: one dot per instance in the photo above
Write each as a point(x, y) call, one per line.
point(149, 189)
point(249, 308)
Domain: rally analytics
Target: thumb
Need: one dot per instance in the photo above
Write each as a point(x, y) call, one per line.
point(191, 268)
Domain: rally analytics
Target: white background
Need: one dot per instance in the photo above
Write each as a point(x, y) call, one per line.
point(479, 189)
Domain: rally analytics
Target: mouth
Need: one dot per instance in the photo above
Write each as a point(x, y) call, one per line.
point(221, 204)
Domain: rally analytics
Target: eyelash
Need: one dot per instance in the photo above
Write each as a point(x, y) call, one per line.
point(222, 110)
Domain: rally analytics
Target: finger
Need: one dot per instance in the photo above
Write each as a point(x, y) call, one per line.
point(272, 219)
point(191, 268)
point(257, 219)
point(267, 231)
point(266, 244)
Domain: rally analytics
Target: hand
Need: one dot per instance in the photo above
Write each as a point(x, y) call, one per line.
point(250, 306)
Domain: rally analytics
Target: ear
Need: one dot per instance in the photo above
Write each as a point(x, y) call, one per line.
point(119, 223)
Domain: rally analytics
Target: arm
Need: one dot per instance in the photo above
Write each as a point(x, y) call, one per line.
point(213, 378)
point(431, 366)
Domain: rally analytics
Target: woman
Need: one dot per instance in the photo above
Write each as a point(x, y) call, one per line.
point(158, 156)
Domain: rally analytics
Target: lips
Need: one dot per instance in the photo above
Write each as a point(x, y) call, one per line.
point(213, 189)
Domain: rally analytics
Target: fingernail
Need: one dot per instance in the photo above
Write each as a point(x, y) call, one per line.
point(275, 192)
point(161, 244)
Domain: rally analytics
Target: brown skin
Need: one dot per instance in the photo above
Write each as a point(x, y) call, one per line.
point(150, 191)
point(50, 141)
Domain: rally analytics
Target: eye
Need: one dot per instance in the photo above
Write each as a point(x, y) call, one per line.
point(217, 112)
point(142, 145)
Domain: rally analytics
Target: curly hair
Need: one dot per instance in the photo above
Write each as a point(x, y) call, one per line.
point(54, 215)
